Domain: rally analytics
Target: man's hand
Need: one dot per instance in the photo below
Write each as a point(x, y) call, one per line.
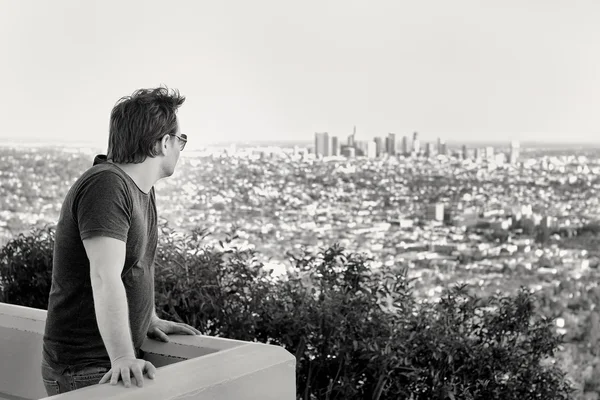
point(125, 367)
point(160, 328)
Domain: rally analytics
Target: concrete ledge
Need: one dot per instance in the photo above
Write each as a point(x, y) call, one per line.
point(190, 367)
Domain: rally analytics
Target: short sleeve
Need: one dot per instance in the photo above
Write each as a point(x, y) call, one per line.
point(102, 207)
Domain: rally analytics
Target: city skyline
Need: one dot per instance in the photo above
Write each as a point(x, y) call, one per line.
point(266, 71)
point(326, 145)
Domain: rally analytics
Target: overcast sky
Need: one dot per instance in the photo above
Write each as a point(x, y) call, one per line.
point(275, 69)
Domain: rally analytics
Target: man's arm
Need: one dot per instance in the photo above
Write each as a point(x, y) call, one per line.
point(107, 257)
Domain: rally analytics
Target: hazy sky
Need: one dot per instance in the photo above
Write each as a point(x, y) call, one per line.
point(276, 69)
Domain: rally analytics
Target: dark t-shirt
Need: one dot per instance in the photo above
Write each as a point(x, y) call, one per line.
point(104, 201)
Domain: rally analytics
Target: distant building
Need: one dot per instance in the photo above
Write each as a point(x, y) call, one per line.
point(435, 212)
point(465, 154)
point(449, 213)
point(405, 150)
point(361, 147)
point(390, 144)
point(416, 144)
point(335, 146)
point(499, 158)
point(371, 149)
point(548, 222)
point(444, 149)
point(489, 152)
point(379, 149)
point(439, 145)
point(322, 144)
point(348, 151)
point(351, 138)
point(428, 149)
point(514, 152)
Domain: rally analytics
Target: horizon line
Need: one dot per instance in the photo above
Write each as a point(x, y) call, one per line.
point(45, 142)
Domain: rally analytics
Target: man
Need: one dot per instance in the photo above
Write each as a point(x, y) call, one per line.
point(101, 304)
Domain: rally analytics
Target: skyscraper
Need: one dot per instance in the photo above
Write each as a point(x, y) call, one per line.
point(352, 138)
point(391, 144)
point(514, 152)
point(322, 144)
point(465, 153)
point(444, 148)
point(405, 150)
point(371, 149)
point(416, 144)
point(379, 149)
point(428, 149)
point(335, 146)
point(361, 147)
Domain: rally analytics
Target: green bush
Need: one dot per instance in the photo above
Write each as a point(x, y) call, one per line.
point(26, 268)
point(356, 332)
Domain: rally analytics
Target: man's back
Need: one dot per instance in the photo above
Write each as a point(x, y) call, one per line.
point(104, 201)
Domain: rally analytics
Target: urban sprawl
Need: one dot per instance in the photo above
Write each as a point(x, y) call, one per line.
point(440, 211)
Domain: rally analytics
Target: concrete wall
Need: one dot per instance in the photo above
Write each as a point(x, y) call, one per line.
point(190, 367)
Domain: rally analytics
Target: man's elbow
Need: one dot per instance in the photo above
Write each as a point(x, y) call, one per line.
point(103, 279)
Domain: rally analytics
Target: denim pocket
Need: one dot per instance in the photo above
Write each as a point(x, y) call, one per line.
point(88, 377)
point(51, 387)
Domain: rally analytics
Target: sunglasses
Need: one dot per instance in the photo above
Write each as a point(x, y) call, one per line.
point(182, 140)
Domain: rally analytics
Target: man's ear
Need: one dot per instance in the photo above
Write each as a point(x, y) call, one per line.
point(162, 145)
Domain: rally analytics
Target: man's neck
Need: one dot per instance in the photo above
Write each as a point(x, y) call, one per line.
point(144, 174)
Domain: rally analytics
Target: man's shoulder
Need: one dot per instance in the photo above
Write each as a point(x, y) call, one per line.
point(103, 173)
point(99, 180)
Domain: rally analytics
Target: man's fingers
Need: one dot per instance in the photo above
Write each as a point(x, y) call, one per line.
point(150, 369)
point(196, 331)
point(188, 330)
point(115, 377)
point(106, 377)
point(126, 376)
point(138, 375)
point(161, 335)
point(134, 381)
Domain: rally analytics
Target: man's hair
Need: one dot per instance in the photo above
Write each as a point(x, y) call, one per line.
point(138, 121)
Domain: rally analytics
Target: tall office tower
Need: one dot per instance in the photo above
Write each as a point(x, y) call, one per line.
point(379, 149)
point(391, 144)
point(489, 152)
point(514, 152)
point(352, 138)
point(416, 144)
point(405, 150)
point(444, 148)
point(322, 144)
point(335, 146)
point(465, 153)
point(428, 149)
point(439, 145)
point(361, 147)
point(435, 212)
point(371, 149)
point(477, 154)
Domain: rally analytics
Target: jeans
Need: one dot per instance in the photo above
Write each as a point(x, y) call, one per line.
point(68, 378)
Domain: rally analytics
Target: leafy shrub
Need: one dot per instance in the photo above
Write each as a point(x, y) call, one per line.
point(26, 268)
point(356, 332)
